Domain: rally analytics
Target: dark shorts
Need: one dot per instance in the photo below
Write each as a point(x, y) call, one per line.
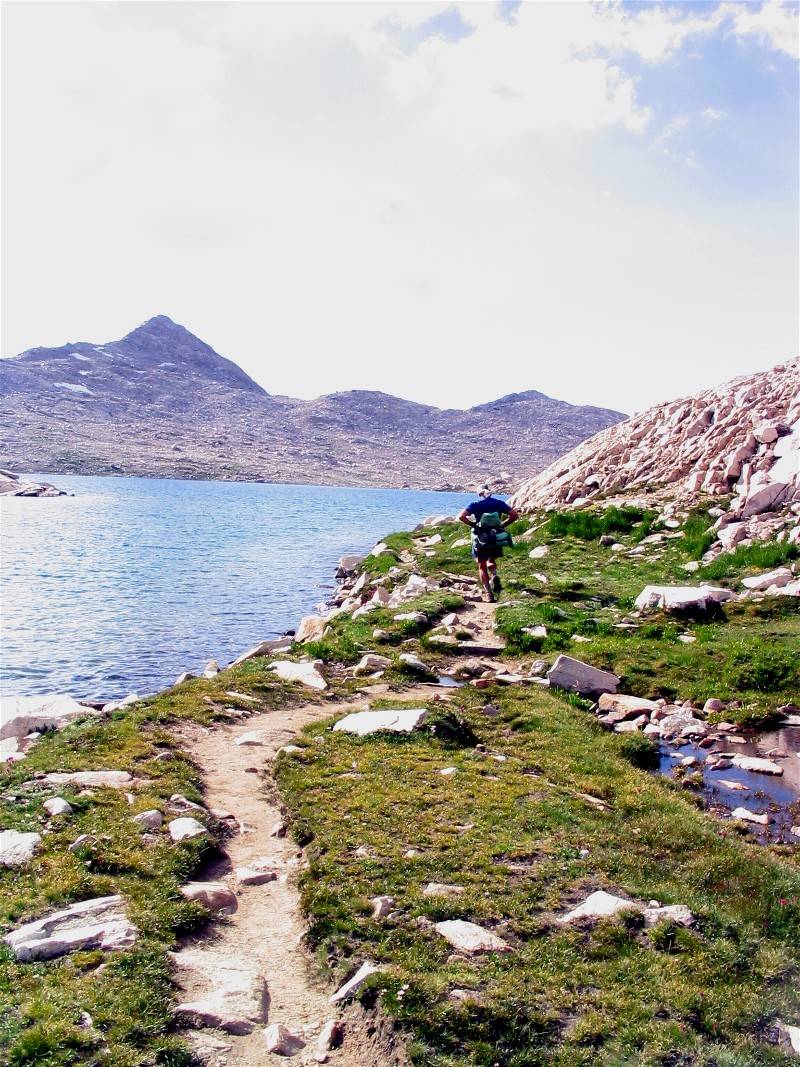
point(485, 554)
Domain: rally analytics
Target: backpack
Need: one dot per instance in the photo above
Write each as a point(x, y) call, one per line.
point(488, 532)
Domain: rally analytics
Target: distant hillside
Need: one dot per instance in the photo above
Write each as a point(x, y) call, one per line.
point(742, 437)
point(161, 402)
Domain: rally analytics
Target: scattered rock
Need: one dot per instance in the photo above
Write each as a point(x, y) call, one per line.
point(101, 923)
point(441, 889)
point(306, 673)
point(264, 648)
point(369, 722)
point(91, 779)
point(755, 763)
point(311, 628)
point(681, 597)
point(599, 905)
point(778, 578)
point(186, 829)
point(211, 669)
point(381, 906)
point(750, 816)
point(330, 1036)
point(212, 895)
point(676, 913)
point(470, 938)
point(57, 806)
point(150, 820)
point(17, 849)
point(352, 985)
point(281, 1041)
point(573, 674)
point(539, 552)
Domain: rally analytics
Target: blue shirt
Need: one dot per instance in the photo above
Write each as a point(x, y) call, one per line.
point(488, 504)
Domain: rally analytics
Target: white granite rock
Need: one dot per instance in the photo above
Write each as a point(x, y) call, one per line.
point(306, 673)
point(233, 994)
point(101, 923)
point(573, 674)
point(20, 716)
point(381, 906)
point(371, 662)
point(471, 939)
point(311, 628)
point(397, 720)
point(750, 816)
point(91, 779)
point(264, 648)
point(599, 905)
point(57, 806)
point(212, 895)
point(16, 849)
point(152, 819)
point(757, 764)
point(281, 1041)
point(185, 829)
point(681, 597)
point(352, 985)
point(677, 913)
point(760, 582)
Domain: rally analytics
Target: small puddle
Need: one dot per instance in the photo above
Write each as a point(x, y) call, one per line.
point(776, 796)
point(447, 682)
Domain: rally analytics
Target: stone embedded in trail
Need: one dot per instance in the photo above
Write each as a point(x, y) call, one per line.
point(681, 597)
point(282, 1041)
point(16, 849)
point(573, 674)
point(186, 829)
point(101, 923)
point(57, 806)
point(599, 905)
point(256, 872)
point(152, 819)
point(755, 763)
point(411, 616)
point(91, 779)
point(330, 1036)
point(235, 994)
point(252, 737)
point(750, 816)
point(212, 895)
point(399, 720)
point(352, 985)
point(470, 938)
point(371, 662)
point(306, 673)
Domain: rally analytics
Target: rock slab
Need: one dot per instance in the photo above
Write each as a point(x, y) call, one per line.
point(101, 923)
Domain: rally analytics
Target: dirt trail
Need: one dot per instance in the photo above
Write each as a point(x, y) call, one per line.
point(267, 928)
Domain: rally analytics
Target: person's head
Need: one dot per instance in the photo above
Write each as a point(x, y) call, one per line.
point(484, 491)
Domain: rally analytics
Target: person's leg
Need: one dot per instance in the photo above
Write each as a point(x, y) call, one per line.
point(493, 576)
point(482, 564)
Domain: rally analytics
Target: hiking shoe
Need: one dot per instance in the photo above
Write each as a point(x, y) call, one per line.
point(496, 586)
point(489, 596)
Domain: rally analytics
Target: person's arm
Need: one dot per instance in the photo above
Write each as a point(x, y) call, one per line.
point(465, 517)
point(511, 516)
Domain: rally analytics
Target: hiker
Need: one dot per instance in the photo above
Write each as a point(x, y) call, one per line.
point(488, 518)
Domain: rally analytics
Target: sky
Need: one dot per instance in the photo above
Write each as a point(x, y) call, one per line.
point(445, 201)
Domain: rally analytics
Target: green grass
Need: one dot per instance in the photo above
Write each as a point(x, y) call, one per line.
point(511, 833)
point(589, 525)
point(127, 995)
point(751, 558)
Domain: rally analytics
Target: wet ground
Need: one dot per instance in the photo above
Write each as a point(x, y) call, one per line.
point(726, 788)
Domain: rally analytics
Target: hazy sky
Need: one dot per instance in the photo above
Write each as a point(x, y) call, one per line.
point(444, 201)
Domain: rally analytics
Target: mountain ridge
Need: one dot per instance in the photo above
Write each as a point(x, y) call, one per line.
point(160, 401)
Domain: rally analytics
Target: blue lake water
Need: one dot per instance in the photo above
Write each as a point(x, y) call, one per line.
point(131, 581)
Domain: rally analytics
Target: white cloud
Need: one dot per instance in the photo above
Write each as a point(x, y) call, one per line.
point(714, 114)
point(774, 23)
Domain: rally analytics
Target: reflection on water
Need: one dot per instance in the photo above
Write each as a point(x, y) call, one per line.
point(778, 797)
point(134, 580)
